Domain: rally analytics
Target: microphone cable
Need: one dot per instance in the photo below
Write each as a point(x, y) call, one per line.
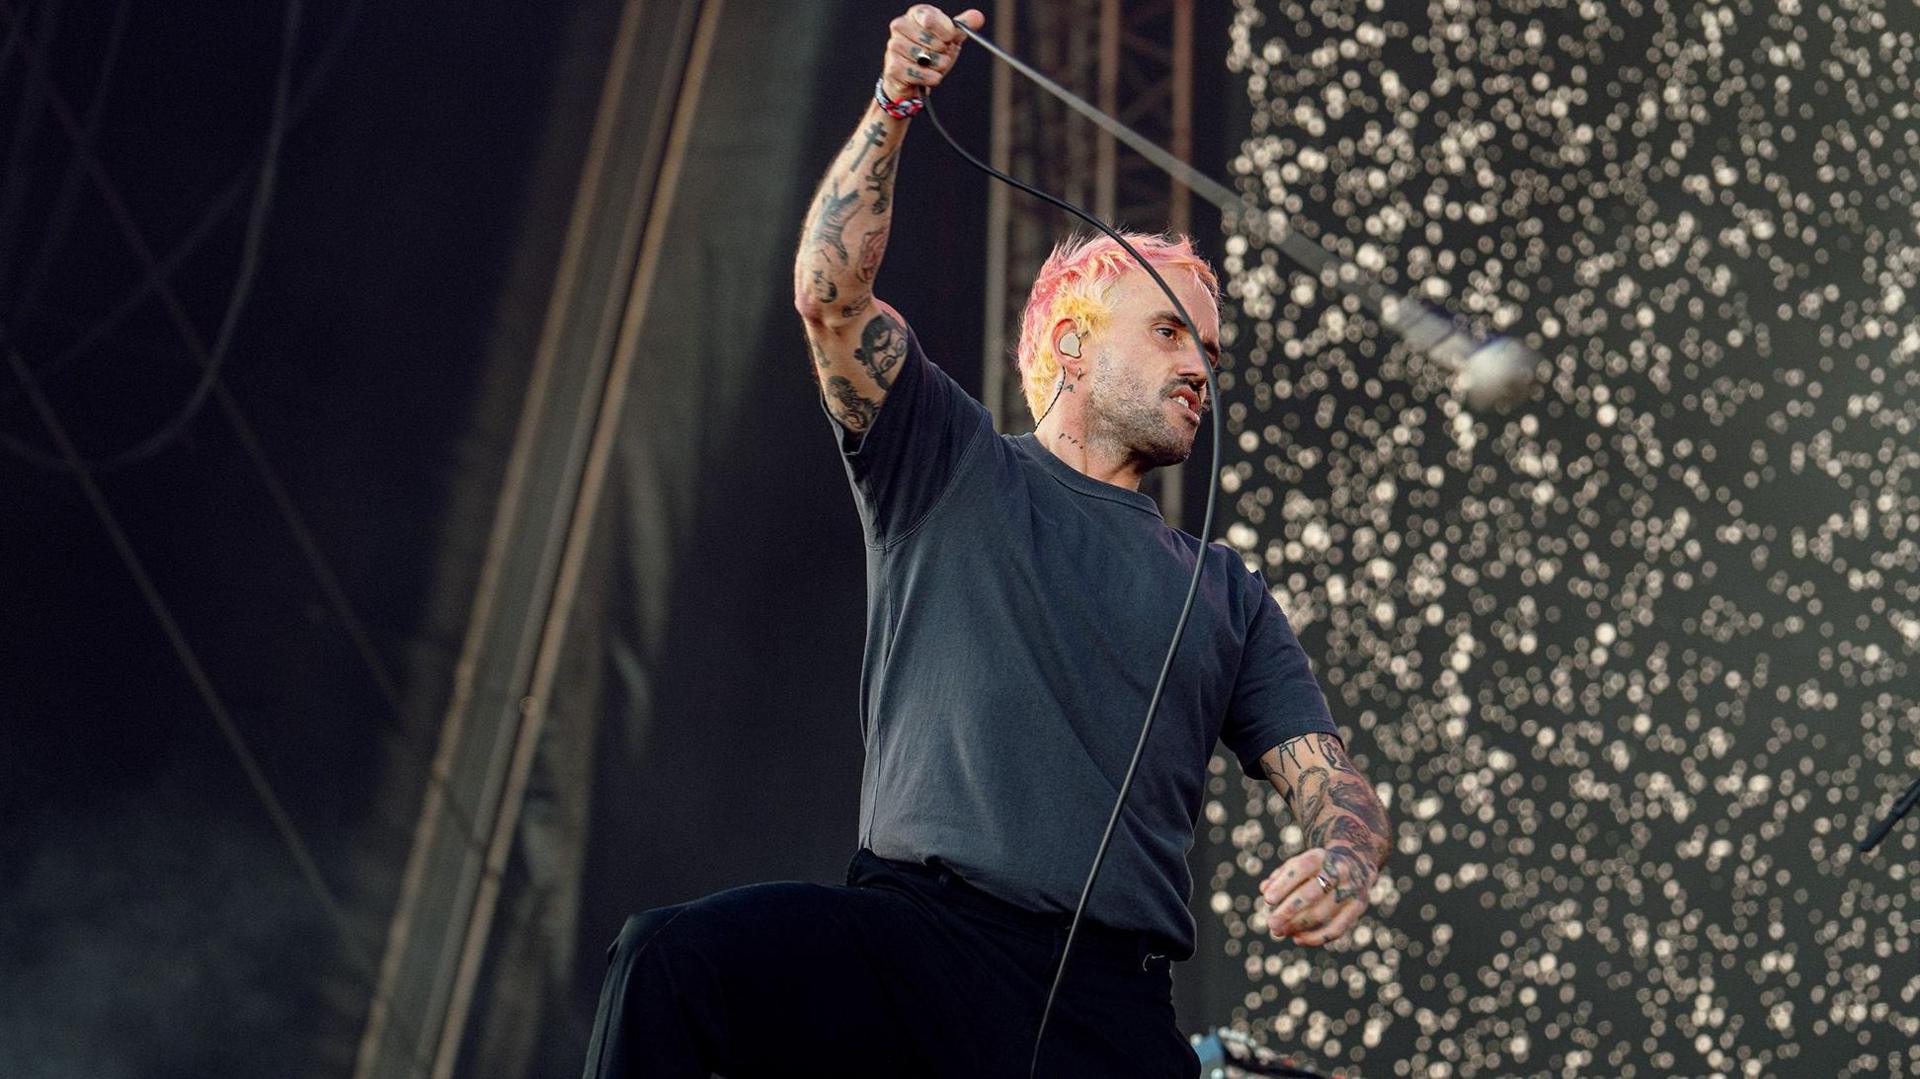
point(1199, 560)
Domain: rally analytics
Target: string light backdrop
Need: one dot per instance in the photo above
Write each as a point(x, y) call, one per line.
point(1633, 665)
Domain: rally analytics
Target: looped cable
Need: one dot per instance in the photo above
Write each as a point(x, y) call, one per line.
point(1193, 585)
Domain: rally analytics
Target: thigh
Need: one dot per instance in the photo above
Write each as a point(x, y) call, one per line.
point(977, 999)
point(795, 978)
point(1117, 1022)
point(981, 1010)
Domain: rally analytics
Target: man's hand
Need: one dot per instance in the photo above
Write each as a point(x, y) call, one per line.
point(1306, 905)
point(1318, 894)
point(924, 31)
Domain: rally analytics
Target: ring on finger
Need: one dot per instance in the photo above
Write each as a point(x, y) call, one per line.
point(1326, 885)
point(923, 58)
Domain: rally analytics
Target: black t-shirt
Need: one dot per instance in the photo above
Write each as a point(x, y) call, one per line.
point(1017, 616)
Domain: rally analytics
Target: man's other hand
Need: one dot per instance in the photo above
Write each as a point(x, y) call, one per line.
point(1305, 897)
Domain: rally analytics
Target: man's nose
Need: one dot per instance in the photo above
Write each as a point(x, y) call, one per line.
point(1191, 369)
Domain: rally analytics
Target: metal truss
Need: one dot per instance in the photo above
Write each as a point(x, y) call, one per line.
point(1136, 62)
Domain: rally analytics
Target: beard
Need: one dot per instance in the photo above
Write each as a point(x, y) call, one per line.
point(1131, 417)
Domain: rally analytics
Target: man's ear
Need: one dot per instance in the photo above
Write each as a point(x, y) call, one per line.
point(1066, 338)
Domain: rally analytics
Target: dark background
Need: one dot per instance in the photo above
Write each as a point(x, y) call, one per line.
point(152, 921)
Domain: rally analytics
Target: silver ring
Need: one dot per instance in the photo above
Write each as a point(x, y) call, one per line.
point(923, 57)
point(1325, 884)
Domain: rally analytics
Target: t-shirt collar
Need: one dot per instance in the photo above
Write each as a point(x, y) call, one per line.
point(1029, 444)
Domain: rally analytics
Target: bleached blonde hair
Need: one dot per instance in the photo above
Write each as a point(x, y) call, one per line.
point(1076, 282)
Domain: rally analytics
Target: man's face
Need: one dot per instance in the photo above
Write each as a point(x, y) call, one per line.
point(1147, 385)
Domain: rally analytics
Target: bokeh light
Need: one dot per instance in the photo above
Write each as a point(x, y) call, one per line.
point(1632, 665)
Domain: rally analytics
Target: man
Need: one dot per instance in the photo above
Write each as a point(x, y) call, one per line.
point(1022, 593)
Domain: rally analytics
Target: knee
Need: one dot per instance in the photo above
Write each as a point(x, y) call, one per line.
point(641, 931)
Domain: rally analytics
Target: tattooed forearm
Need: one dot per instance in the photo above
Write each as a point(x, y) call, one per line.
point(1329, 747)
point(880, 180)
point(1291, 753)
point(1336, 808)
point(828, 226)
point(823, 290)
point(872, 249)
point(1304, 792)
point(870, 136)
point(1359, 802)
point(857, 343)
point(846, 230)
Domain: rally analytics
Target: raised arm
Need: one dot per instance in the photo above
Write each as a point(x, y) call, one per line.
point(857, 341)
point(1318, 894)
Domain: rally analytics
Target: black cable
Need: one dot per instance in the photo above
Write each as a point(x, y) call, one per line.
point(60, 218)
point(1193, 585)
point(356, 949)
point(161, 270)
point(251, 241)
point(288, 106)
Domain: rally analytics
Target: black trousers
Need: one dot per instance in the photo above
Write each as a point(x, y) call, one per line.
point(906, 971)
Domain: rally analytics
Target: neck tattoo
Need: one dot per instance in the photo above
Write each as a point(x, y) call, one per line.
point(1073, 440)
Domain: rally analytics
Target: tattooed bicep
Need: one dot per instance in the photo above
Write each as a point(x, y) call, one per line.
point(856, 364)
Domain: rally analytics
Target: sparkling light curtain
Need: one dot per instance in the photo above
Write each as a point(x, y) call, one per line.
point(1632, 664)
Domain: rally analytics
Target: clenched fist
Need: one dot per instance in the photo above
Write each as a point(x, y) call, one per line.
point(1316, 896)
point(922, 48)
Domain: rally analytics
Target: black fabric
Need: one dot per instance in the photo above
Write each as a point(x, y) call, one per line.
point(1018, 613)
point(905, 971)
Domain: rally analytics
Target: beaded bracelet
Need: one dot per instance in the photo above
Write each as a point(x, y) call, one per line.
point(900, 109)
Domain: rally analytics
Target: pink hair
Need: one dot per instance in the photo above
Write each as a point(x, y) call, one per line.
point(1076, 282)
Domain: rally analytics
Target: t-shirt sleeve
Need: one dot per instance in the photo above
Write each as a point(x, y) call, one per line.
point(1275, 697)
point(908, 458)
